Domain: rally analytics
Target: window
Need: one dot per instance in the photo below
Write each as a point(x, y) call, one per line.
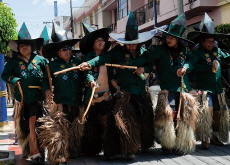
point(122, 8)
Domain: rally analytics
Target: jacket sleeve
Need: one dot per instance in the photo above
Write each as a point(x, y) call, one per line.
point(8, 75)
point(193, 59)
point(225, 56)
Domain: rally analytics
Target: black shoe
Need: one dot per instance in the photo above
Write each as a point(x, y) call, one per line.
point(166, 151)
point(178, 152)
point(36, 161)
point(130, 156)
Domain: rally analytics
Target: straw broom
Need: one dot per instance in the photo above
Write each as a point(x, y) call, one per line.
point(77, 128)
point(22, 134)
point(54, 133)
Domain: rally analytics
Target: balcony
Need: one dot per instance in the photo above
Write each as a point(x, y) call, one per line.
point(144, 14)
point(113, 27)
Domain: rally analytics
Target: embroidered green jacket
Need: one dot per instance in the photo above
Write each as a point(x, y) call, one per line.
point(201, 63)
point(128, 81)
point(67, 86)
point(29, 74)
point(166, 68)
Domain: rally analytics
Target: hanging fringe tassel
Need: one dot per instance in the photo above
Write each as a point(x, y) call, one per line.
point(22, 131)
point(185, 141)
point(223, 133)
point(129, 129)
point(164, 125)
point(54, 135)
point(204, 122)
point(76, 132)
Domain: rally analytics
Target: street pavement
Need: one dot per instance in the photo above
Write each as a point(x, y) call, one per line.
point(217, 155)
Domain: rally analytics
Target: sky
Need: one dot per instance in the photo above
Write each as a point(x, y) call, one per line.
point(35, 12)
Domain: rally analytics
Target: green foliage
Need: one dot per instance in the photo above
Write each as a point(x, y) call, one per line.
point(224, 28)
point(8, 26)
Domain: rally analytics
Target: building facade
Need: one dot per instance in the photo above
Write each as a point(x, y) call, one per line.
point(113, 13)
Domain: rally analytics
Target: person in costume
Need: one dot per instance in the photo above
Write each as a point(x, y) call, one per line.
point(25, 69)
point(100, 131)
point(66, 94)
point(174, 102)
point(205, 63)
point(133, 110)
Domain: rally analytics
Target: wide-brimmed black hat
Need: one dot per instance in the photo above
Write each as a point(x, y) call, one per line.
point(131, 35)
point(206, 30)
point(24, 37)
point(50, 50)
point(177, 28)
point(59, 39)
point(86, 43)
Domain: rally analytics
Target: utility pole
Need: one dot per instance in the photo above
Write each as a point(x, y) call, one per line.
point(180, 7)
point(71, 19)
point(155, 12)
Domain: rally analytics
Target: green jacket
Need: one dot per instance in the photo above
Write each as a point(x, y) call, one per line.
point(29, 74)
point(166, 67)
point(201, 63)
point(127, 80)
point(67, 86)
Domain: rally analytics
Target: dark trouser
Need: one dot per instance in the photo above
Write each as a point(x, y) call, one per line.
point(71, 112)
point(92, 138)
point(29, 114)
point(142, 106)
point(173, 101)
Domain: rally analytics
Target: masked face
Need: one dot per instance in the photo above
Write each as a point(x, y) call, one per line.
point(171, 41)
point(208, 43)
point(65, 53)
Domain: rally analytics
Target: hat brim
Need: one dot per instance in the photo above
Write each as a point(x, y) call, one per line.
point(84, 43)
point(50, 50)
point(196, 36)
point(13, 44)
point(142, 37)
point(180, 38)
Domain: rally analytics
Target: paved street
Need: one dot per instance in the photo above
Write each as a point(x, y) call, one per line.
point(216, 155)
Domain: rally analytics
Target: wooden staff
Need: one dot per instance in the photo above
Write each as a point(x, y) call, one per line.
point(22, 100)
point(180, 99)
point(90, 101)
point(69, 69)
point(124, 66)
point(49, 76)
point(34, 87)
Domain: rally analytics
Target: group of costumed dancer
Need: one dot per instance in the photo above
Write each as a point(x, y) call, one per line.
point(93, 106)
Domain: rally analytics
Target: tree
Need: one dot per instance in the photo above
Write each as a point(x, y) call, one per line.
point(7, 27)
point(224, 28)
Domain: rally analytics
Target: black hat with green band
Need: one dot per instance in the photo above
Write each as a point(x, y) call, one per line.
point(177, 28)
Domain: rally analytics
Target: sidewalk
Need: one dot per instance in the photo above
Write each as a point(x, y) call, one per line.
point(215, 155)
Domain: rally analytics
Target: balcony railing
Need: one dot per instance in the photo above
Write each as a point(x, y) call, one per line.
point(144, 14)
point(113, 26)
